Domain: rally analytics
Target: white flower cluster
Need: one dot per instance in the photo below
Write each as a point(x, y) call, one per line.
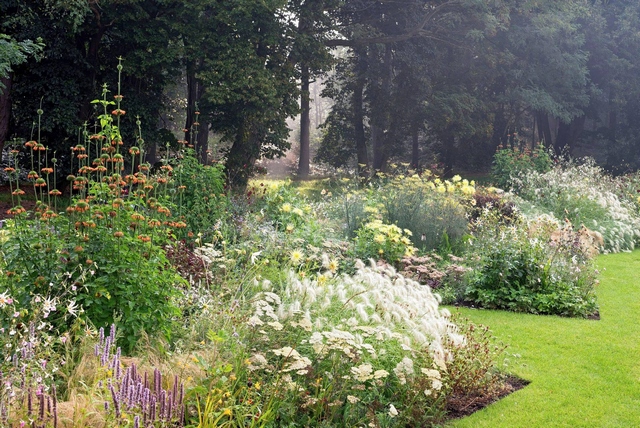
point(587, 194)
point(369, 320)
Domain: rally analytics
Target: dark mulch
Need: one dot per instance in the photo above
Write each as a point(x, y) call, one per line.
point(459, 407)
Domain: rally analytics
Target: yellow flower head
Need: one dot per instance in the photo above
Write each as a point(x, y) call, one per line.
point(296, 256)
point(286, 208)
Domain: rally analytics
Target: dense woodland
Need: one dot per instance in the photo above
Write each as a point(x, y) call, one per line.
point(417, 81)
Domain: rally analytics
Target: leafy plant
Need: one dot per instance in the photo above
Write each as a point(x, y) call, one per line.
point(519, 272)
point(513, 162)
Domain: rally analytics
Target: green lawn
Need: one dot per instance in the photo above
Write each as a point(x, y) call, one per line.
point(583, 373)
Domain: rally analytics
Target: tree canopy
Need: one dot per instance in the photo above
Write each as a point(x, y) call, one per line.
point(418, 81)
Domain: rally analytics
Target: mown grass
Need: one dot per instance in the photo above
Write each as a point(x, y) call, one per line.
point(583, 373)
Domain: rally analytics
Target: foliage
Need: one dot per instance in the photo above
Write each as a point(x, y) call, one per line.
point(310, 330)
point(514, 268)
point(201, 201)
point(378, 240)
point(583, 194)
point(446, 277)
point(13, 53)
point(513, 162)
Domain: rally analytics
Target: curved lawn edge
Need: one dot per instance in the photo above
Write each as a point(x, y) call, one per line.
point(583, 373)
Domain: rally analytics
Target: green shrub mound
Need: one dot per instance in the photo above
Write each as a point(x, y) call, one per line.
point(520, 269)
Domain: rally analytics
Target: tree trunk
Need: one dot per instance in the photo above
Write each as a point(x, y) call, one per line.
point(544, 128)
point(5, 111)
point(568, 133)
point(202, 142)
point(195, 90)
point(242, 157)
point(384, 139)
point(358, 115)
point(415, 148)
point(448, 154)
point(305, 124)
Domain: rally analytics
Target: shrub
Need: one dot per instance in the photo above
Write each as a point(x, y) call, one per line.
point(515, 271)
point(583, 194)
point(362, 329)
point(513, 162)
point(199, 195)
point(432, 209)
point(444, 277)
point(376, 240)
point(99, 276)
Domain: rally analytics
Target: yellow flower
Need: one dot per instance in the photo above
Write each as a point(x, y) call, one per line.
point(333, 266)
point(456, 178)
point(227, 412)
point(296, 256)
point(290, 227)
point(286, 208)
point(298, 211)
point(379, 238)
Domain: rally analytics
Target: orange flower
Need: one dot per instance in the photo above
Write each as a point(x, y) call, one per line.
point(117, 203)
point(32, 175)
point(144, 238)
point(55, 192)
point(40, 182)
point(118, 112)
point(9, 169)
point(82, 206)
point(118, 234)
point(49, 214)
point(16, 210)
point(30, 144)
point(18, 192)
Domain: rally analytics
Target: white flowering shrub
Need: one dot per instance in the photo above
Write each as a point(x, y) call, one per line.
point(373, 347)
point(518, 267)
point(584, 195)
